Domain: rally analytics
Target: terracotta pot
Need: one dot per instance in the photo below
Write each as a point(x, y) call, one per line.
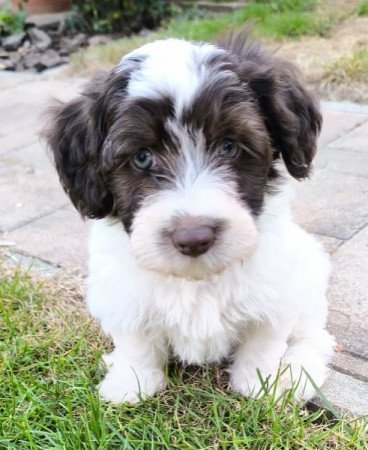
point(44, 6)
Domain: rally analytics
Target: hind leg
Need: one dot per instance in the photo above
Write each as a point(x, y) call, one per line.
point(269, 356)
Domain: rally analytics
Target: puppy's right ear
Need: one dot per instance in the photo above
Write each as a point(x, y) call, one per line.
point(76, 141)
point(290, 112)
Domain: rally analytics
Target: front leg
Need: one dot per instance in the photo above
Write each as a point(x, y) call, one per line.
point(135, 368)
point(257, 358)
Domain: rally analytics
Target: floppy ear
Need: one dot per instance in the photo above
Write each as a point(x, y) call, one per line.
point(290, 112)
point(76, 143)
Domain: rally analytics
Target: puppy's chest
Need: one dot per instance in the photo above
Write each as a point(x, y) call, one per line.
point(200, 323)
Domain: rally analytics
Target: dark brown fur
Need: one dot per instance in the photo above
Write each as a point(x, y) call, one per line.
point(290, 112)
point(140, 125)
point(226, 108)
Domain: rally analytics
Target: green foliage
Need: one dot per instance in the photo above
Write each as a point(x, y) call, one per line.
point(49, 367)
point(11, 22)
point(276, 19)
point(362, 8)
point(118, 16)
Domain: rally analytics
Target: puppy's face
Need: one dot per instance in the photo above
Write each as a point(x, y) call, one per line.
point(178, 143)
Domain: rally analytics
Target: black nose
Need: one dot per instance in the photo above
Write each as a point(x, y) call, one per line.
point(193, 241)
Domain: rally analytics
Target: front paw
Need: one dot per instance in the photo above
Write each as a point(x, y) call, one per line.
point(251, 383)
point(126, 386)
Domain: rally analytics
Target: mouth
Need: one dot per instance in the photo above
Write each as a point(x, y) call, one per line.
point(186, 267)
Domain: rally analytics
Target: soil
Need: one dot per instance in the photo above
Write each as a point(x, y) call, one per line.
point(314, 55)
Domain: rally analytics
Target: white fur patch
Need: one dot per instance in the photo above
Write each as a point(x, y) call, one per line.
point(171, 67)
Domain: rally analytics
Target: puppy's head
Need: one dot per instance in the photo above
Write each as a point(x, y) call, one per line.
point(178, 142)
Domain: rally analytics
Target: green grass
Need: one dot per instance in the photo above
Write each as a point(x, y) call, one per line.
point(362, 8)
point(275, 19)
point(349, 68)
point(49, 368)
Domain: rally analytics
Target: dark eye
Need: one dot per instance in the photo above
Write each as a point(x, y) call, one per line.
point(143, 159)
point(229, 149)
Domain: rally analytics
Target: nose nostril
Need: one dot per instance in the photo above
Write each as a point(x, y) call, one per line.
point(193, 241)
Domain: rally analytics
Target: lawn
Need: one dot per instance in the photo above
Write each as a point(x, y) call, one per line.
point(49, 367)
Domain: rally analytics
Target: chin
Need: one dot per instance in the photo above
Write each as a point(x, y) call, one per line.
point(180, 157)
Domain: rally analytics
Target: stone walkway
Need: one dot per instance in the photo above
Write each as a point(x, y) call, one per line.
point(39, 227)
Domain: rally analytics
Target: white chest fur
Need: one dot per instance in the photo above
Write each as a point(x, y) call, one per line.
point(200, 320)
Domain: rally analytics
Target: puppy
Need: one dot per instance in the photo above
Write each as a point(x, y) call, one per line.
point(178, 155)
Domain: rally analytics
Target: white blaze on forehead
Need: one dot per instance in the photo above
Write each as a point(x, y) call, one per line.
point(195, 168)
point(197, 176)
point(171, 67)
point(191, 159)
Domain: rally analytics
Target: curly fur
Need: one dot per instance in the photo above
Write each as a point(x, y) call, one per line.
point(256, 297)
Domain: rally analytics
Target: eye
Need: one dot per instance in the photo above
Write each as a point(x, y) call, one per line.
point(228, 149)
point(143, 159)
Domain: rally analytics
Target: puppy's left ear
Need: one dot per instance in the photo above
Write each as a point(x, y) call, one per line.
point(291, 113)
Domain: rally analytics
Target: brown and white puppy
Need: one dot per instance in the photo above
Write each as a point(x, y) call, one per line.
point(176, 153)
